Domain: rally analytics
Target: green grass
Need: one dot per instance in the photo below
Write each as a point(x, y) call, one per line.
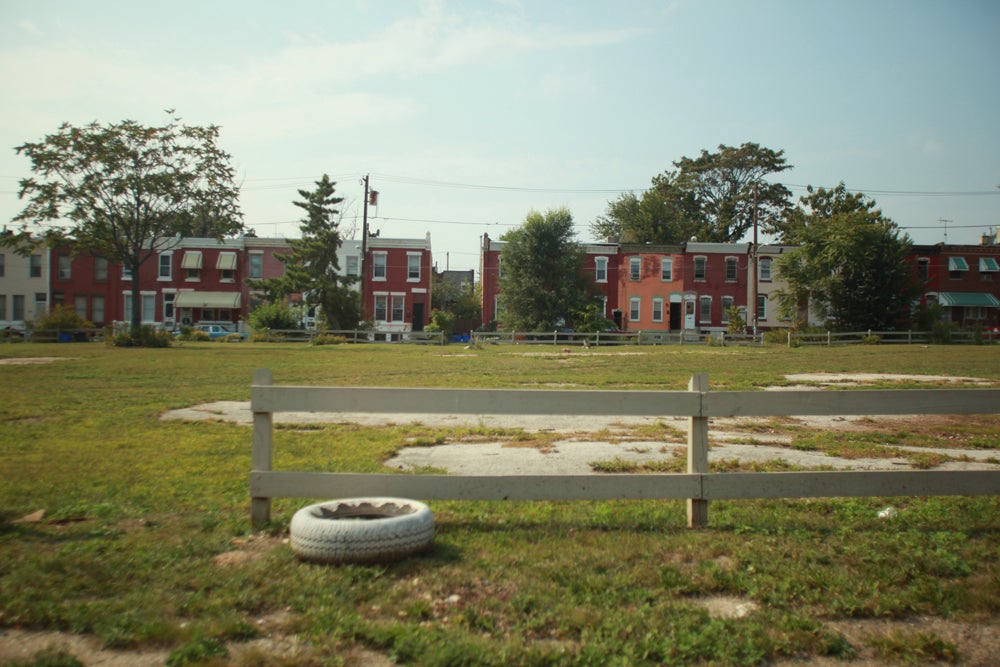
point(139, 510)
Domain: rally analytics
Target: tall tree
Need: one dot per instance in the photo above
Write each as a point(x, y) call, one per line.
point(851, 264)
point(124, 191)
point(710, 197)
point(665, 213)
point(542, 284)
point(312, 267)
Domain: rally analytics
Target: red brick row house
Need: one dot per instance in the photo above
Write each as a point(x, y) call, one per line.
point(694, 286)
point(189, 281)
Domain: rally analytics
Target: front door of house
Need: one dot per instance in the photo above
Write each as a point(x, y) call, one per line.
point(689, 307)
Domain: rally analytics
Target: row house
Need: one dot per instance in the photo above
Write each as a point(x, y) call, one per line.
point(24, 287)
point(963, 279)
point(188, 281)
point(652, 287)
point(397, 284)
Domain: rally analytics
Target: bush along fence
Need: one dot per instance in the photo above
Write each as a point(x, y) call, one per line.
point(697, 486)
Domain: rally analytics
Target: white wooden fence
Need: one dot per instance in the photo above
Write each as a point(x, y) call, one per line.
point(697, 486)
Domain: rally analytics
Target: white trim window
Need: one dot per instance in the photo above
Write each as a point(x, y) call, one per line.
point(727, 304)
point(97, 309)
point(352, 266)
point(191, 263)
point(635, 268)
point(379, 265)
point(667, 269)
point(657, 309)
point(381, 306)
point(761, 307)
point(732, 269)
point(413, 267)
point(257, 264)
point(168, 305)
point(634, 311)
point(65, 267)
point(601, 269)
point(700, 268)
point(764, 269)
point(35, 266)
point(705, 309)
point(147, 303)
point(397, 304)
point(165, 269)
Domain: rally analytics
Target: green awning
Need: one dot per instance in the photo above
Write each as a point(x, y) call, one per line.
point(988, 265)
point(957, 264)
point(968, 299)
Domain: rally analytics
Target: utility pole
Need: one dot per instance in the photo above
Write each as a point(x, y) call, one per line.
point(753, 258)
point(365, 264)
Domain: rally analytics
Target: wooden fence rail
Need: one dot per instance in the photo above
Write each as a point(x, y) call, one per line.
point(697, 486)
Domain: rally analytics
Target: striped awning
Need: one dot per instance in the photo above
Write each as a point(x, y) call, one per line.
point(957, 264)
point(193, 299)
point(968, 300)
point(226, 261)
point(192, 259)
point(988, 265)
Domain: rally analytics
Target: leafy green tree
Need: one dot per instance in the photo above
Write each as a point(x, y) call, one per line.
point(312, 268)
point(851, 264)
point(710, 197)
point(125, 191)
point(459, 300)
point(543, 285)
point(273, 315)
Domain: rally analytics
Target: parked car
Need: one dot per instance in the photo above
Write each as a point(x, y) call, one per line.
point(215, 331)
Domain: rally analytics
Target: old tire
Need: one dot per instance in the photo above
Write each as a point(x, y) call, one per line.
point(361, 530)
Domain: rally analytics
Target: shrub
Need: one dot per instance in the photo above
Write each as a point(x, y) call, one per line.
point(329, 339)
point(146, 336)
point(62, 318)
point(276, 315)
point(871, 339)
point(442, 321)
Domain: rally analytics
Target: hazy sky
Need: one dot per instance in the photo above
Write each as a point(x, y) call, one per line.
point(469, 114)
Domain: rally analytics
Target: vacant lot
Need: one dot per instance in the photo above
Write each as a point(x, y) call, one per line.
point(125, 536)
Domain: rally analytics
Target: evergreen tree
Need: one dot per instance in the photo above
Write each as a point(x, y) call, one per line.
point(312, 268)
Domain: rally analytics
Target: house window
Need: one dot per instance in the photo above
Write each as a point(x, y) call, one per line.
point(705, 310)
point(65, 267)
point(17, 307)
point(381, 307)
point(396, 312)
point(147, 305)
point(923, 269)
point(633, 309)
point(732, 264)
point(601, 269)
point(226, 265)
point(35, 266)
point(700, 267)
point(41, 303)
point(657, 309)
point(379, 266)
point(168, 306)
point(412, 267)
point(761, 306)
point(3, 306)
point(352, 266)
point(987, 267)
point(956, 267)
point(764, 268)
point(727, 304)
point(166, 270)
point(97, 309)
point(666, 269)
point(1, 271)
point(100, 269)
point(80, 306)
point(256, 265)
point(634, 268)
point(192, 265)
point(126, 272)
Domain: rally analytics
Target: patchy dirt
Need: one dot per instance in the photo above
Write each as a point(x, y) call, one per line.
point(25, 361)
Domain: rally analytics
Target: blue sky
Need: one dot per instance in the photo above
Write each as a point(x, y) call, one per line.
point(467, 115)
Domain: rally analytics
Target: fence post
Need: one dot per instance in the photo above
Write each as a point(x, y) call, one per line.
point(829, 339)
point(789, 338)
point(260, 508)
point(697, 508)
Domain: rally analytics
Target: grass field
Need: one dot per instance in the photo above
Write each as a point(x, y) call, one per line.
point(145, 543)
